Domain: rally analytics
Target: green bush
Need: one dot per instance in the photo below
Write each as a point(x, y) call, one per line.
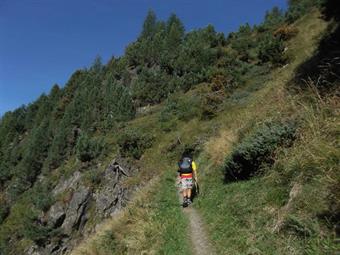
point(33, 229)
point(133, 143)
point(88, 149)
point(181, 106)
point(170, 108)
point(271, 49)
point(211, 104)
point(188, 108)
point(257, 149)
point(39, 198)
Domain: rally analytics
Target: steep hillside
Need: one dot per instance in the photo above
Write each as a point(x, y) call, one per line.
point(90, 168)
point(268, 164)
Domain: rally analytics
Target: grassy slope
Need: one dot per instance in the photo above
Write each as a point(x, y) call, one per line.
point(240, 216)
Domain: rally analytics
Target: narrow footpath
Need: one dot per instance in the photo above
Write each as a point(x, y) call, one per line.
point(199, 239)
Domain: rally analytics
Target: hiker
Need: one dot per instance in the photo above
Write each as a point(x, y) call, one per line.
point(187, 173)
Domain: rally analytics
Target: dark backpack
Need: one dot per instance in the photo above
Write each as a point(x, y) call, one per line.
point(185, 165)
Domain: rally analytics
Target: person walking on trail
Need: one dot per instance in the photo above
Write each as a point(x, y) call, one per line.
point(187, 174)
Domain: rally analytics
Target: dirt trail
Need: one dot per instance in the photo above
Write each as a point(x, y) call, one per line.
point(199, 239)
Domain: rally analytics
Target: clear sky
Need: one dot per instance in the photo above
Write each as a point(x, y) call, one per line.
point(42, 42)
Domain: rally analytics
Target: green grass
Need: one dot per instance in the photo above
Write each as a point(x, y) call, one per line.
point(169, 214)
point(238, 216)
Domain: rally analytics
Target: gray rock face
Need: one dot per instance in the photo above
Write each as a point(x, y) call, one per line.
point(112, 196)
point(76, 213)
point(67, 184)
point(56, 215)
point(70, 215)
point(33, 250)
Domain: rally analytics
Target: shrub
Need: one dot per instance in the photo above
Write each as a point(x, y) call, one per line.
point(33, 229)
point(170, 108)
point(188, 108)
point(256, 150)
point(133, 143)
point(211, 104)
point(271, 50)
point(219, 81)
point(286, 32)
point(88, 149)
point(182, 107)
point(39, 198)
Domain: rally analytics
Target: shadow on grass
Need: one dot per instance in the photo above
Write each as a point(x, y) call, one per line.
point(323, 69)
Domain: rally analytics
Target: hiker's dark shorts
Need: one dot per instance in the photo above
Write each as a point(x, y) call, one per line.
point(186, 183)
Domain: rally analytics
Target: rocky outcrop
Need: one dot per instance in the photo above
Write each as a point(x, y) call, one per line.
point(78, 204)
point(56, 215)
point(76, 211)
point(112, 196)
point(67, 184)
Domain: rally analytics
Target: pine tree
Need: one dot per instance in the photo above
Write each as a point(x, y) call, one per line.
point(173, 41)
point(273, 18)
point(149, 26)
point(118, 101)
point(175, 31)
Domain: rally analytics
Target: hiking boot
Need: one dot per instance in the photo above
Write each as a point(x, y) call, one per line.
point(185, 202)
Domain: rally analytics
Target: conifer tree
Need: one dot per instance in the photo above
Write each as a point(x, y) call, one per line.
point(149, 25)
point(118, 101)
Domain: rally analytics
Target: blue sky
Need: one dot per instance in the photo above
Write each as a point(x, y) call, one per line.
point(42, 42)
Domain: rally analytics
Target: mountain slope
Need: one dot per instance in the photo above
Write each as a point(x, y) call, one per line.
point(286, 206)
point(105, 146)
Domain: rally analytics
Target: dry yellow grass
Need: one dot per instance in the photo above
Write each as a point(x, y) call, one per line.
point(218, 147)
